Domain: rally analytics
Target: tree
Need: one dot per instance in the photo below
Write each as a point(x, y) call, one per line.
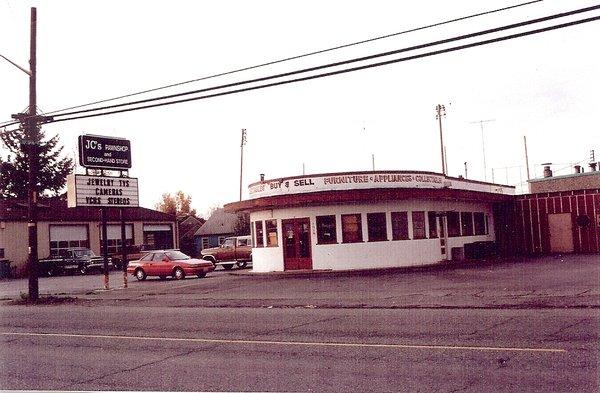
point(176, 204)
point(14, 171)
point(242, 225)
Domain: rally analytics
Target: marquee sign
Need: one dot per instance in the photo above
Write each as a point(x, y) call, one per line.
point(368, 180)
point(101, 152)
point(102, 191)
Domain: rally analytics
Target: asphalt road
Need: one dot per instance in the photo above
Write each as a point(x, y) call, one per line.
point(78, 347)
point(513, 326)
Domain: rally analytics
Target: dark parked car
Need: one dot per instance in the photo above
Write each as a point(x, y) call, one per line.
point(82, 260)
point(163, 263)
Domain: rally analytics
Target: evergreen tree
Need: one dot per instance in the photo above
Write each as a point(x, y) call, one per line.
point(14, 171)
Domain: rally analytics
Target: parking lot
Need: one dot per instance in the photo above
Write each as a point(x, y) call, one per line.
point(550, 281)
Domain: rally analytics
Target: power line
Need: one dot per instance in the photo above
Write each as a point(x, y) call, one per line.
point(437, 24)
point(332, 73)
point(339, 63)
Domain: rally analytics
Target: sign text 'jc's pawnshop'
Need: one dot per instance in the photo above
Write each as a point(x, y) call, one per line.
point(102, 152)
point(102, 191)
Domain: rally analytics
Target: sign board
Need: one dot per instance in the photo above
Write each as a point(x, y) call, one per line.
point(102, 152)
point(102, 191)
point(368, 180)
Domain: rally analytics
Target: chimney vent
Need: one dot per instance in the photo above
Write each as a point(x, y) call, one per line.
point(577, 168)
point(262, 177)
point(547, 171)
point(593, 166)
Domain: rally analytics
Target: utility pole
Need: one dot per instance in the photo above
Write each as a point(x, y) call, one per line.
point(30, 122)
point(32, 140)
point(242, 158)
point(483, 144)
point(441, 111)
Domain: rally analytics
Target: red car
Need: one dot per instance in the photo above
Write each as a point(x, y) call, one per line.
point(163, 263)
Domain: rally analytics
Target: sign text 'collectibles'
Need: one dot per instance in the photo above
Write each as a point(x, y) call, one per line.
point(362, 180)
point(103, 152)
point(101, 191)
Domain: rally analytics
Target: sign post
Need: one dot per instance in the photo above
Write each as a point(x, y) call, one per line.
point(104, 192)
point(123, 246)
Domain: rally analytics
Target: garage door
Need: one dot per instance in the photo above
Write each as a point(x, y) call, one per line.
point(158, 236)
point(66, 236)
point(114, 237)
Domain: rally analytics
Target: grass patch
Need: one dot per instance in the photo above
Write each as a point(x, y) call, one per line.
point(24, 300)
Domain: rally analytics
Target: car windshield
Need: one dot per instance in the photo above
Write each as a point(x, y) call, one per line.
point(176, 255)
point(83, 253)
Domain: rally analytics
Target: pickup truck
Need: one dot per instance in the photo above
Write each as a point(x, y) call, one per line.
point(234, 250)
point(71, 260)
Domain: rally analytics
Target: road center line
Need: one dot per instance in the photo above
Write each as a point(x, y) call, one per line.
point(297, 343)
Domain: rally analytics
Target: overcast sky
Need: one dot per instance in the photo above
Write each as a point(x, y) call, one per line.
point(546, 87)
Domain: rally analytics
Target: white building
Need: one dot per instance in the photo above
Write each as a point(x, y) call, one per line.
point(361, 220)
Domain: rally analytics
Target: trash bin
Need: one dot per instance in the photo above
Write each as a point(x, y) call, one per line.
point(5, 268)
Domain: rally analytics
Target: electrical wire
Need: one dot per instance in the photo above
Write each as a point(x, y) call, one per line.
point(437, 24)
point(318, 76)
point(345, 62)
point(7, 123)
point(340, 63)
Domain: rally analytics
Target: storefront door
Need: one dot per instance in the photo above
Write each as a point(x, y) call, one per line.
point(296, 244)
point(561, 232)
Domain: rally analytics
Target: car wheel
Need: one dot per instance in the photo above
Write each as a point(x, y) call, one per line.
point(242, 265)
point(178, 273)
point(140, 274)
point(202, 274)
point(228, 266)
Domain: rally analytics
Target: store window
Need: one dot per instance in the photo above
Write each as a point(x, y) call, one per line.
point(221, 240)
point(326, 230)
point(432, 221)
point(205, 243)
point(466, 221)
point(351, 228)
point(376, 227)
point(479, 221)
point(399, 225)
point(418, 219)
point(453, 221)
point(271, 228)
point(258, 229)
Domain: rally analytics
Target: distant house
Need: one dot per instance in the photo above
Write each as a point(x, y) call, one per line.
point(188, 225)
point(214, 231)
